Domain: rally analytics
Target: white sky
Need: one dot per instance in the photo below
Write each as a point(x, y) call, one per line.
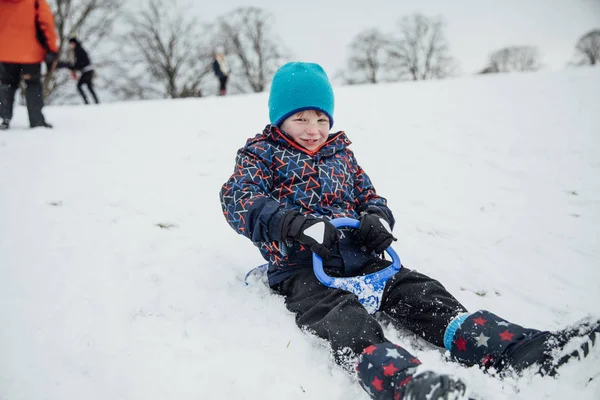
point(319, 31)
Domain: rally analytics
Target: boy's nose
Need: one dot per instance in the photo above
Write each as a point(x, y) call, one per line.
point(312, 128)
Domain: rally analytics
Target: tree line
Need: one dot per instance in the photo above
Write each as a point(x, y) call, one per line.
point(160, 51)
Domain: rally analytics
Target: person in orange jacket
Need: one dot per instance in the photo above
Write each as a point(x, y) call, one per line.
point(28, 37)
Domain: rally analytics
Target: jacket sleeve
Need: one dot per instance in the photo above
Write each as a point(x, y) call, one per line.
point(81, 58)
point(365, 196)
point(245, 198)
point(47, 27)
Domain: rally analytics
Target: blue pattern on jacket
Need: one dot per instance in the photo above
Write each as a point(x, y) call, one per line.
point(273, 172)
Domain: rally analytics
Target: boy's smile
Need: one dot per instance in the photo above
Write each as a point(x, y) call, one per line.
point(309, 128)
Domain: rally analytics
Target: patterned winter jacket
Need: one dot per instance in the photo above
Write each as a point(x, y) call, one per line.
point(273, 173)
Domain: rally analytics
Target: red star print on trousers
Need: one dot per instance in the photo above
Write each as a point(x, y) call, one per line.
point(487, 360)
point(479, 321)
point(377, 384)
point(384, 368)
point(506, 335)
point(461, 344)
point(369, 350)
point(389, 370)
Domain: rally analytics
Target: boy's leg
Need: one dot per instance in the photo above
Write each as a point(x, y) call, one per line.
point(10, 74)
point(385, 370)
point(34, 94)
point(487, 340)
point(332, 314)
point(417, 302)
point(423, 305)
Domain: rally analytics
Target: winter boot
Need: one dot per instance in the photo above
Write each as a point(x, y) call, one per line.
point(485, 339)
point(42, 125)
point(387, 371)
point(5, 124)
point(549, 351)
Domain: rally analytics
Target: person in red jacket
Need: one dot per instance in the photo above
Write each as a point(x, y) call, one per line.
point(28, 37)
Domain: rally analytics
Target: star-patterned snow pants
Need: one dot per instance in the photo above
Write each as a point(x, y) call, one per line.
point(411, 300)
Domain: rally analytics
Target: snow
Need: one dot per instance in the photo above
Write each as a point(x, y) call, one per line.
point(120, 278)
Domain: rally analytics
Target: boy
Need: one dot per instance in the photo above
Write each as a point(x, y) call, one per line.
point(288, 183)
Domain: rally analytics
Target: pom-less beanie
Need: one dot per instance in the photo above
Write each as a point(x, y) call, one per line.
point(299, 86)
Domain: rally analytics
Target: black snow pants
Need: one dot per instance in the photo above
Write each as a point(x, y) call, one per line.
point(411, 300)
point(10, 77)
point(87, 79)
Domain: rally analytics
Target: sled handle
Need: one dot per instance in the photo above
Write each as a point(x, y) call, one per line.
point(379, 276)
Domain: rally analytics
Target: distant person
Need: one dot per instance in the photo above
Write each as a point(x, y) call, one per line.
point(221, 69)
point(27, 37)
point(78, 60)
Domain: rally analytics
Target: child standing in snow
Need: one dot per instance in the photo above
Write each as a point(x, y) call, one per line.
point(295, 176)
point(221, 70)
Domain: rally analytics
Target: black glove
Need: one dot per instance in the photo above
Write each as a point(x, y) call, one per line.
point(374, 233)
point(50, 59)
point(318, 234)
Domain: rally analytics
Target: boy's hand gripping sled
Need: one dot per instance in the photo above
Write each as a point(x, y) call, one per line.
point(368, 288)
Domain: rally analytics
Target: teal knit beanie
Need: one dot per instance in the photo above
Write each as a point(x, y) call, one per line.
point(299, 86)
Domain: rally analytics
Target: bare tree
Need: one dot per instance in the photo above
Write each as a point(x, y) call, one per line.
point(162, 55)
point(368, 57)
point(90, 20)
point(514, 59)
point(254, 51)
point(421, 50)
point(588, 48)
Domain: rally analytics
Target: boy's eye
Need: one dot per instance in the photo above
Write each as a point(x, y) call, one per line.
point(324, 120)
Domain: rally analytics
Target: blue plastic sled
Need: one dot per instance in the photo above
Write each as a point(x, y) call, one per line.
point(368, 288)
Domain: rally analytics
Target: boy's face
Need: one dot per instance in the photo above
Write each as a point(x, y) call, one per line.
point(307, 128)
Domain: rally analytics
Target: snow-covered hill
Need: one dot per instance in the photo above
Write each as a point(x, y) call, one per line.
point(120, 279)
